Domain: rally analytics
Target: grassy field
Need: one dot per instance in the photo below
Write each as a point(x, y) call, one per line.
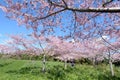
point(31, 70)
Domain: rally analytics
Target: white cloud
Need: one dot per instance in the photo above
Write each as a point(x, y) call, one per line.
point(103, 37)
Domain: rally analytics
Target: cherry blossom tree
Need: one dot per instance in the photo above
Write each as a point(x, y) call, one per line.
point(68, 19)
point(111, 49)
point(83, 21)
point(95, 50)
point(4, 49)
point(41, 42)
point(84, 18)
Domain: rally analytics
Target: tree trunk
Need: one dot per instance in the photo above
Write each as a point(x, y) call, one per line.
point(44, 63)
point(111, 65)
point(93, 62)
point(111, 68)
point(65, 64)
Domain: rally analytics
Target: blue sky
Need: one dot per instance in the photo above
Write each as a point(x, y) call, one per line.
point(8, 26)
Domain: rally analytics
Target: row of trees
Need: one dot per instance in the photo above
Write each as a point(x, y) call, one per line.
point(62, 49)
point(85, 22)
point(58, 47)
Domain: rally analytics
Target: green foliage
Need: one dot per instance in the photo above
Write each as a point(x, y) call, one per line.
point(31, 70)
point(25, 56)
point(116, 63)
point(84, 61)
point(1, 55)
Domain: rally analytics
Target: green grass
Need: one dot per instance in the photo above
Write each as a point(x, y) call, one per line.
point(31, 70)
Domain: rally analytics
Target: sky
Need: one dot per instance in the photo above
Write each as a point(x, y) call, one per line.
point(8, 26)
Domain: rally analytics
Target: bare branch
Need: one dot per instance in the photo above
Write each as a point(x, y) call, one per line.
point(102, 10)
point(75, 18)
point(107, 3)
point(49, 15)
point(65, 3)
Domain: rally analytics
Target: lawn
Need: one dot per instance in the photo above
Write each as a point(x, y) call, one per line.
point(31, 70)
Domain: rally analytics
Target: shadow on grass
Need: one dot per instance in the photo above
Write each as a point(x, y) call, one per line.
point(26, 70)
point(106, 77)
point(60, 73)
point(5, 64)
point(56, 73)
point(53, 73)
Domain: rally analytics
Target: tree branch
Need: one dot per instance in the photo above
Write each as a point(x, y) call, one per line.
point(112, 47)
point(107, 3)
point(102, 10)
point(65, 3)
point(49, 15)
